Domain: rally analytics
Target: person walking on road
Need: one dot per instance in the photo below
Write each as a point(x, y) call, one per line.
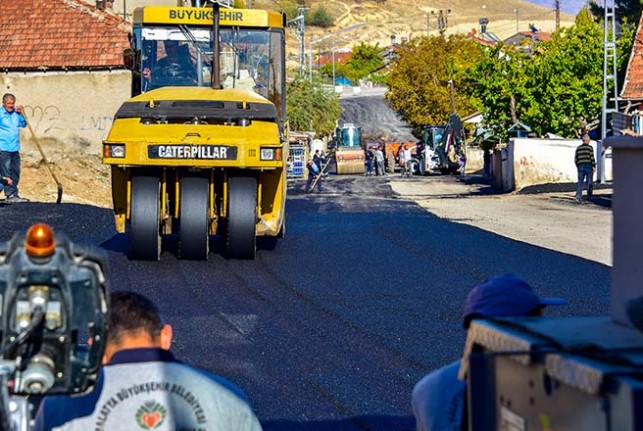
point(313, 172)
point(401, 157)
point(462, 162)
point(11, 120)
point(379, 162)
point(438, 399)
point(586, 166)
point(368, 157)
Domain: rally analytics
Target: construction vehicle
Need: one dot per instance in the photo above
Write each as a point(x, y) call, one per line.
point(443, 147)
point(348, 150)
point(391, 150)
point(570, 373)
point(199, 150)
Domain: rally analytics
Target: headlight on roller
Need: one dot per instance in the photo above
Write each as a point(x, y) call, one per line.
point(116, 151)
point(270, 154)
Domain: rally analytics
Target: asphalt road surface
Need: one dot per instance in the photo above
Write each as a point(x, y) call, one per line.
point(331, 329)
point(370, 112)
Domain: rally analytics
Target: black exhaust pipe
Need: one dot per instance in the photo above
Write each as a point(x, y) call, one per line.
point(216, 78)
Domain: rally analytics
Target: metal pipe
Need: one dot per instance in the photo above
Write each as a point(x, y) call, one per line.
point(216, 78)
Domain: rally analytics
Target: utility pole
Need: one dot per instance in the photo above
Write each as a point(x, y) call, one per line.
point(557, 15)
point(517, 20)
point(609, 77)
point(428, 25)
point(300, 33)
point(443, 20)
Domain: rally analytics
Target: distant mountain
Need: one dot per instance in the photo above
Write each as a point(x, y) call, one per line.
point(569, 6)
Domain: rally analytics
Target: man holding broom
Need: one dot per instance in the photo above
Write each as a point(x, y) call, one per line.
point(11, 120)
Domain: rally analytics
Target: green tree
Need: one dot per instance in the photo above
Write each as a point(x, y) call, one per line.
point(289, 7)
point(624, 46)
point(626, 10)
point(499, 82)
point(419, 76)
point(552, 89)
point(567, 79)
point(365, 61)
point(320, 17)
point(312, 107)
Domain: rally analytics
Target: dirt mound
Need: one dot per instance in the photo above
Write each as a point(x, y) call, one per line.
point(84, 178)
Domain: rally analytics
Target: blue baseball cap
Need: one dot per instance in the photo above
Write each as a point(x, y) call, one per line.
point(504, 295)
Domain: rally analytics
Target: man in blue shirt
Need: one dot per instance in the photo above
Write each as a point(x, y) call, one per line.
point(11, 120)
point(438, 399)
point(142, 385)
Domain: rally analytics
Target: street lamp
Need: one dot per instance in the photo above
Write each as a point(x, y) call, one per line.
point(310, 53)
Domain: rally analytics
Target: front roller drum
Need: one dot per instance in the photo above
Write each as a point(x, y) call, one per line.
point(144, 235)
point(242, 218)
point(194, 218)
point(346, 168)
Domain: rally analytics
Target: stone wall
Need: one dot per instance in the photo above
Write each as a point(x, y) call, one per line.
point(540, 161)
point(74, 108)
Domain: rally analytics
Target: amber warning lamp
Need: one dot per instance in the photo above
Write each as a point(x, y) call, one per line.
point(39, 241)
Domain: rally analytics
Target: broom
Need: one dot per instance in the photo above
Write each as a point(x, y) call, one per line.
point(44, 158)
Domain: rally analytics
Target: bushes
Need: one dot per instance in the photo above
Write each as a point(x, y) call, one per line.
point(320, 17)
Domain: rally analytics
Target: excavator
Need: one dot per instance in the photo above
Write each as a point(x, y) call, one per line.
point(443, 146)
point(200, 148)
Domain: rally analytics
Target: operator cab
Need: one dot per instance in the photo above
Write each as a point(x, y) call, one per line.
point(433, 136)
point(182, 57)
point(350, 136)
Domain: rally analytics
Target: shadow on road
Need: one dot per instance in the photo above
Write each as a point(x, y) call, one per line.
point(119, 243)
point(602, 196)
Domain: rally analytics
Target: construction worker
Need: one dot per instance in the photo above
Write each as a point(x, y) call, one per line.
point(137, 355)
point(419, 153)
point(313, 173)
point(11, 120)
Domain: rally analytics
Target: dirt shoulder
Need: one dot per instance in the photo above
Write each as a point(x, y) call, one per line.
point(553, 220)
point(84, 178)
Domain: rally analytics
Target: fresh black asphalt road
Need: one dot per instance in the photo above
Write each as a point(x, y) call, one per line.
point(330, 329)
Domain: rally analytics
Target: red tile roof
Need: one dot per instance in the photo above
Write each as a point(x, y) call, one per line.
point(60, 34)
point(633, 87)
point(326, 58)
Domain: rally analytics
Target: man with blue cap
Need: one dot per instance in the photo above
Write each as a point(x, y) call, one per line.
point(438, 399)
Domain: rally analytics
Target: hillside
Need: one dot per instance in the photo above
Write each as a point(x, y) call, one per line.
point(375, 22)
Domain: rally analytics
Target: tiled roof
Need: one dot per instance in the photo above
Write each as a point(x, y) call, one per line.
point(59, 34)
point(520, 37)
point(326, 58)
point(633, 87)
